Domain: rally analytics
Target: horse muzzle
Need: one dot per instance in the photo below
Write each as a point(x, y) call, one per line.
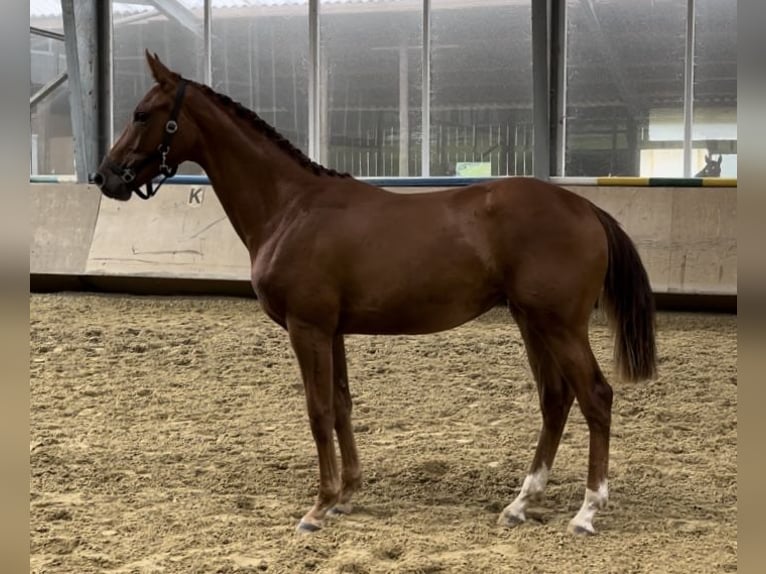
point(111, 184)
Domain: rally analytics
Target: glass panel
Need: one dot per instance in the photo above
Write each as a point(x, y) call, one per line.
point(51, 142)
point(260, 59)
point(625, 87)
point(371, 87)
point(46, 14)
point(175, 33)
point(714, 130)
point(481, 88)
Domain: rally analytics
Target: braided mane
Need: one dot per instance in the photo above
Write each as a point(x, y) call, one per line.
point(267, 130)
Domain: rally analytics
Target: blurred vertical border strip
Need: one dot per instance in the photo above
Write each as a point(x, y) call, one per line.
point(751, 195)
point(14, 287)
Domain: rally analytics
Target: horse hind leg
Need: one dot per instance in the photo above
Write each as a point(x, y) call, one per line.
point(570, 350)
point(556, 399)
point(594, 395)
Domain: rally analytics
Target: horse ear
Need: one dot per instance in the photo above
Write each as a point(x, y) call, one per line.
point(162, 75)
point(720, 159)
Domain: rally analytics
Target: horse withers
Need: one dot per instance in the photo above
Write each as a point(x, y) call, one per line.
point(331, 255)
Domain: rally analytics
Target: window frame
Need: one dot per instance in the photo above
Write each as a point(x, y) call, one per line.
point(549, 57)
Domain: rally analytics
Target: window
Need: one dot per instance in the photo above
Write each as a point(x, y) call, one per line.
point(714, 128)
point(370, 87)
point(174, 32)
point(632, 103)
point(481, 88)
point(625, 87)
point(626, 110)
point(51, 143)
point(260, 59)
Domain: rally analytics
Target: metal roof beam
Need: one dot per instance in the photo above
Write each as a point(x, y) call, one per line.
point(133, 18)
point(46, 90)
point(174, 10)
point(46, 33)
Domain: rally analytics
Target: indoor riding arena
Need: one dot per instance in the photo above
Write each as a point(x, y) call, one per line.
point(424, 188)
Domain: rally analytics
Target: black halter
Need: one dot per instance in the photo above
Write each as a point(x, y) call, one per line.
point(128, 173)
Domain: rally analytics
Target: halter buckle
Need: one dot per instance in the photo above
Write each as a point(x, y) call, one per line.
point(164, 150)
point(171, 127)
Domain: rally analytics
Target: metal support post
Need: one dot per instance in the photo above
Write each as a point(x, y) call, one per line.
point(541, 96)
point(80, 24)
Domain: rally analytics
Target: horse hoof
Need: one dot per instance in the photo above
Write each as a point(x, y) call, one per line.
point(340, 510)
point(510, 520)
point(307, 527)
point(580, 530)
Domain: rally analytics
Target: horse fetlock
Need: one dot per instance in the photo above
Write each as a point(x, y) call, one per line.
point(352, 481)
point(314, 518)
point(327, 498)
point(595, 500)
point(531, 491)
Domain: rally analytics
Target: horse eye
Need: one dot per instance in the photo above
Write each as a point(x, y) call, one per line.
point(140, 117)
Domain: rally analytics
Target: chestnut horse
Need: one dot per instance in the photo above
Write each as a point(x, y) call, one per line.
point(331, 255)
point(712, 167)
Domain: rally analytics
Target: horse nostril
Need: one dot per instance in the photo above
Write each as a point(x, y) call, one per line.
point(97, 179)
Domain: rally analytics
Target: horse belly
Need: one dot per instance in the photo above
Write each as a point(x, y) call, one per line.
point(424, 300)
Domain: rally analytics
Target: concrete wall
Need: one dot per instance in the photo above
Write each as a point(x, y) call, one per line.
point(64, 217)
point(181, 232)
point(686, 236)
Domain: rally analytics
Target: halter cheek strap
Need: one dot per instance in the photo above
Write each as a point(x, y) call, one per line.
point(128, 173)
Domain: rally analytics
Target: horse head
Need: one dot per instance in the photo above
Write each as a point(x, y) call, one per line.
point(159, 137)
point(712, 167)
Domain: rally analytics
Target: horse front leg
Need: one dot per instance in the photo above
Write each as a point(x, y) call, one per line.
point(314, 351)
point(351, 474)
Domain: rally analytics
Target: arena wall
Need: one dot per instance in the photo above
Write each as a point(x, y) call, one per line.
point(64, 217)
point(686, 236)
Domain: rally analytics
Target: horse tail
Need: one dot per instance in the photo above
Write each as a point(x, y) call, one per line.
point(629, 304)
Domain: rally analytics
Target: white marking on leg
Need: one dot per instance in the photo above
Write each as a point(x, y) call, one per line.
point(534, 485)
point(594, 501)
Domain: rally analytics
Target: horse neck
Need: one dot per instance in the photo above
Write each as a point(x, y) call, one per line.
point(257, 183)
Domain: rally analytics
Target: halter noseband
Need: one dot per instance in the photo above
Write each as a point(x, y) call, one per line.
point(128, 173)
